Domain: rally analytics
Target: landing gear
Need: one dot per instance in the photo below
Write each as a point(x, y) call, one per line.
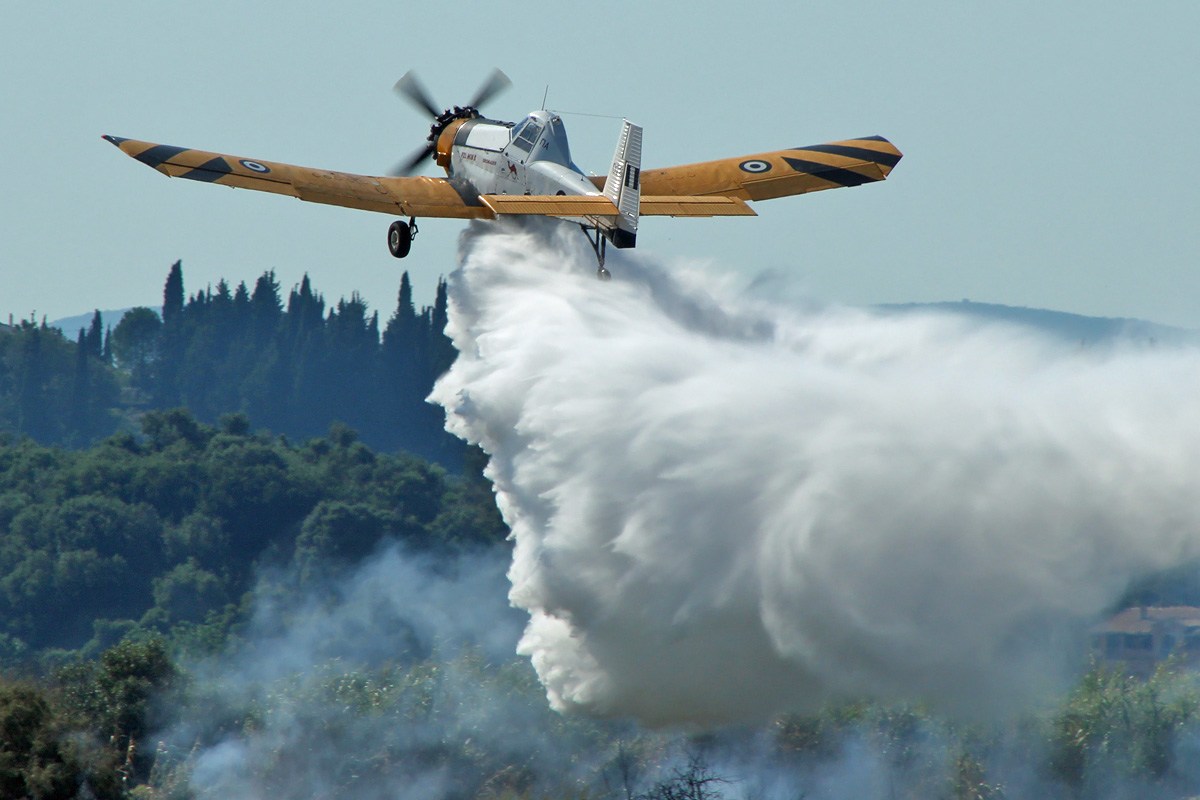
point(598, 242)
point(401, 235)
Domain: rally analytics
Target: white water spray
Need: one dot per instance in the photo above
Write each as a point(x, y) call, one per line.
point(725, 508)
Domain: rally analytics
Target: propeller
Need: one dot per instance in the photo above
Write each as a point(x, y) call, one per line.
point(412, 90)
point(410, 165)
point(496, 83)
point(409, 87)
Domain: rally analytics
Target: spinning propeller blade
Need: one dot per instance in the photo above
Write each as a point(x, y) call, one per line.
point(410, 165)
point(496, 83)
point(409, 87)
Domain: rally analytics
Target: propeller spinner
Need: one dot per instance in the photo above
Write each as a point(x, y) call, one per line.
point(411, 89)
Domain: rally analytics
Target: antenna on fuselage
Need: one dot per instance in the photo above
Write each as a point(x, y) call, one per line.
point(544, 96)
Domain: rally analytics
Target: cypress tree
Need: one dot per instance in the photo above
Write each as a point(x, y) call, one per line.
point(402, 374)
point(266, 305)
point(166, 390)
point(404, 306)
point(80, 383)
point(95, 336)
point(305, 310)
point(173, 295)
point(441, 349)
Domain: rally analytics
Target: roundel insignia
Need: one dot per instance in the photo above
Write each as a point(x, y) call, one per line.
point(254, 166)
point(755, 165)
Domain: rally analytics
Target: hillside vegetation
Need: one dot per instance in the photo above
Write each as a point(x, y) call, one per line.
point(293, 368)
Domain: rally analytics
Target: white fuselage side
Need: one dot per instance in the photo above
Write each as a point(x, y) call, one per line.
point(531, 157)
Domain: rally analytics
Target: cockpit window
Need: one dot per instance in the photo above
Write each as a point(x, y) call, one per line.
point(527, 135)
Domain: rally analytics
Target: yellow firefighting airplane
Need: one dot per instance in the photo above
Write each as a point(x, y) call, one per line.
point(496, 169)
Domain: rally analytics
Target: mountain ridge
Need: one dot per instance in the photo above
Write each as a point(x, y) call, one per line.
point(1080, 327)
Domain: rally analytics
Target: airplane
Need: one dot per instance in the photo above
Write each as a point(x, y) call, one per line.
point(496, 169)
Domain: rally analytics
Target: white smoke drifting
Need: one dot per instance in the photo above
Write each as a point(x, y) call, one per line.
point(395, 680)
point(726, 508)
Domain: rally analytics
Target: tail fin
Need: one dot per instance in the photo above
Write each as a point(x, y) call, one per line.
point(623, 185)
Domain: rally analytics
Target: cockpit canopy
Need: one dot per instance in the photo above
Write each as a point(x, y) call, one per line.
point(526, 134)
point(548, 129)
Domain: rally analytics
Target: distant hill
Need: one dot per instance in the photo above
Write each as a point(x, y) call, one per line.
point(70, 325)
point(1073, 327)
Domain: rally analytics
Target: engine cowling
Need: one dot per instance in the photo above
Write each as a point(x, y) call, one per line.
point(444, 128)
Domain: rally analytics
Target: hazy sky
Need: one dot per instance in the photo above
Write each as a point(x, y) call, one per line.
point(1049, 154)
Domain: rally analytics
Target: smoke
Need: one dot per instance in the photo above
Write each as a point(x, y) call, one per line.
point(397, 679)
point(726, 507)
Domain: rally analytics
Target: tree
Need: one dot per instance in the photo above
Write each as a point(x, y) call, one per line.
point(124, 696)
point(35, 760)
point(1116, 727)
point(80, 385)
point(95, 336)
point(693, 782)
point(336, 534)
point(136, 345)
point(38, 370)
point(165, 428)
point(172, 307)
point(403, 373)
point(188, 592)
point(441, 349)
point(166, 385)
point(266, 305)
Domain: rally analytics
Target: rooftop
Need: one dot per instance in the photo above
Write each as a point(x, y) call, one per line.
point(1142, 619)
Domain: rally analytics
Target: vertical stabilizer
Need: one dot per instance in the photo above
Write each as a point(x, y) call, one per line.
point(623, 185)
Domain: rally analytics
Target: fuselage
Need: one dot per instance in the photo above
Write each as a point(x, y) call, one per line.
point(528, 157)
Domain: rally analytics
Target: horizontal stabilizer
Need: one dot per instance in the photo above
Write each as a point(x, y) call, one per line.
point(550, 205)
point(686, 206)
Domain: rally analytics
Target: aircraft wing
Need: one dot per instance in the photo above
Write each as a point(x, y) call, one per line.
point(410, 197)
point(777, 174)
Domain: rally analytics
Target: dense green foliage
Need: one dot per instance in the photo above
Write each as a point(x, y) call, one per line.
point(114, 557)
point(35, 760)
point(294, 369)
point(167, 530)
point(52, 390)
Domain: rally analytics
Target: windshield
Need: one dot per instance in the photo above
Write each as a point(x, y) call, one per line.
point(526, 135)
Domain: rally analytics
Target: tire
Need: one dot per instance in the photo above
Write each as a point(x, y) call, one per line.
point(399, 239)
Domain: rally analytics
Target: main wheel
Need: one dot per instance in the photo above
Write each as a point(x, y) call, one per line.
point(399, 238)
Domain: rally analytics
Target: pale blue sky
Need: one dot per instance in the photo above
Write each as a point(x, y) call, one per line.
point(1049, 147)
